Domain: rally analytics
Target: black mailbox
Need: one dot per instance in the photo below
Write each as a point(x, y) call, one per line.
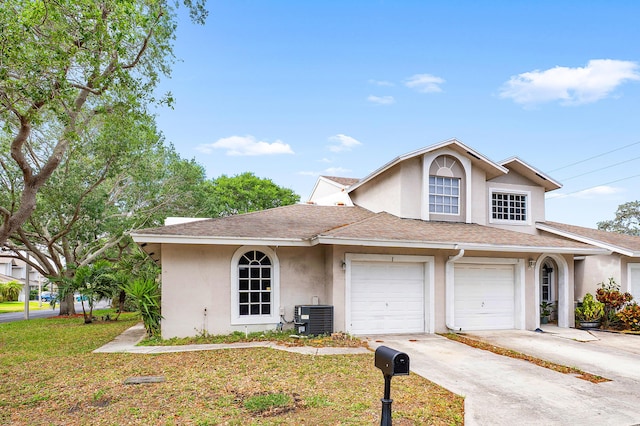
point(392, 362)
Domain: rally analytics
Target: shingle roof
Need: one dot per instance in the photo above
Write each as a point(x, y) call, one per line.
point(624, 243)
point(298, 221)
point(336, 225)
point(342, 180)
point(384, 226)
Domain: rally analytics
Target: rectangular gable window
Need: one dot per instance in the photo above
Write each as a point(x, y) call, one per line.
point(444, 195)
point(509, 207)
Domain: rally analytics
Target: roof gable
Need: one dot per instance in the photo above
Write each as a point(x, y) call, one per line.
point(490, 168)
point(531, 173)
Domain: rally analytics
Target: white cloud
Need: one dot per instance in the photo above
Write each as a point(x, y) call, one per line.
point(425, 83)
point(381, 83)
point(246, 146)
point(571, 86)
point(381, 100)
point(590, 193)
point(331, 171)
point(342, 143)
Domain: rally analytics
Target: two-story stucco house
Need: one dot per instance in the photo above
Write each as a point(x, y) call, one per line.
point(439, 238)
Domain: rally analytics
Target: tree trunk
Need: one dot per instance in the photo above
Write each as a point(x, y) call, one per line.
point(67, 306)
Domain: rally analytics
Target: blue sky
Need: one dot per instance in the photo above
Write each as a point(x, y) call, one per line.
point(291, 90)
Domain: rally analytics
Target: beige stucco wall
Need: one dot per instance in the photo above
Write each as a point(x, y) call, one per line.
point(207, 270)
point(381, 193)
point(596, 269)
point(323, 189)
point(305, 272)
point(516, 183)
point(302, 276)
point(195, 278)
point(479, 197)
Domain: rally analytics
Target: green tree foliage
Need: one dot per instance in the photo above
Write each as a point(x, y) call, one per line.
point(93, 282)
point(10, 291)
point(66, 64)
point(245, 193)
point(627, 220)
point(110, 182)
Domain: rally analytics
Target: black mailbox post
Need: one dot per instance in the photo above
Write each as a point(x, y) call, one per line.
point(392, 363)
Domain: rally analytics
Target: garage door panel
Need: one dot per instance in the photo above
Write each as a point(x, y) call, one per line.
point(387, 297)
point(484, 297)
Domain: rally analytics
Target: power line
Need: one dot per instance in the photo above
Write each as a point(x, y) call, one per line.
point(551, 197)
point(600, 169)
point(595, 156)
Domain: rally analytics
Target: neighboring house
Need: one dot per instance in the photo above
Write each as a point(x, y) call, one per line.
point(623, 264)
point(440, 238)
point(12, 269)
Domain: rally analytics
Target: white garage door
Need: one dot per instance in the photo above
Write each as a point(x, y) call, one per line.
point(387, 297)
point(484, 297)
point(634, 280)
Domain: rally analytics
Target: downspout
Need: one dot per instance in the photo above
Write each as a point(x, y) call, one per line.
point(449, 281)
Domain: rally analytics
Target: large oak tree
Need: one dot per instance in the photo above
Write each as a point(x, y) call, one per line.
point(65, 64)
point(118, 177)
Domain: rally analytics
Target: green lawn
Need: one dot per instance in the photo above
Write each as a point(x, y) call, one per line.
point(6, 307)
point(49, 376)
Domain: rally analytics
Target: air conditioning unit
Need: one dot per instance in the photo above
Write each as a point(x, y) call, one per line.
point(313, 319)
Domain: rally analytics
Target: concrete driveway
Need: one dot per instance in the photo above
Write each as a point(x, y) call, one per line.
point(500, 390)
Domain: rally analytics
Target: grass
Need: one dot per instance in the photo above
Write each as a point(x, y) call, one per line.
point(49, 376)
point(593, 378)
point(6, 307)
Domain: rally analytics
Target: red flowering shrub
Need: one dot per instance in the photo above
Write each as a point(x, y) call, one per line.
point(609, 294)
point(630, 316)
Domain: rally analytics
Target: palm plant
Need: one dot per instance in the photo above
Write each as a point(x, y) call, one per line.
point(11, 290)
point(146, 295)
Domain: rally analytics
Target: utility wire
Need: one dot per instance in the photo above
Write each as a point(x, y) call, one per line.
point(551, 197)
point(595, 156)
point(600, 169)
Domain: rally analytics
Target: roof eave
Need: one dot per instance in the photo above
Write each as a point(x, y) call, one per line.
point(211, 240)
point(586, 240)
point(547, 181)
point(458, 245)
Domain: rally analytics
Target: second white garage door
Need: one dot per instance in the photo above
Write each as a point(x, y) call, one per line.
point(387, 297)
point(484, 297)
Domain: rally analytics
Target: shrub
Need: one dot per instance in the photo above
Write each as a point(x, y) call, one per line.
point(590, 310)
point(11, 290)
point(630, 316)
point(146, 295)
point(609, 294)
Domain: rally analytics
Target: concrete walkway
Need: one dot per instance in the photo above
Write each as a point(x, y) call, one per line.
point(127, 341)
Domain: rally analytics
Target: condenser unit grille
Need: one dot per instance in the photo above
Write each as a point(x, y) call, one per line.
point(314, 319)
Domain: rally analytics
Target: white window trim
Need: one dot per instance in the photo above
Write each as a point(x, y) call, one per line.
point(459, 197)
point(429, 280)
point(630, 268)
point(274, 318)
point(506, 221)
point(466, 165)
